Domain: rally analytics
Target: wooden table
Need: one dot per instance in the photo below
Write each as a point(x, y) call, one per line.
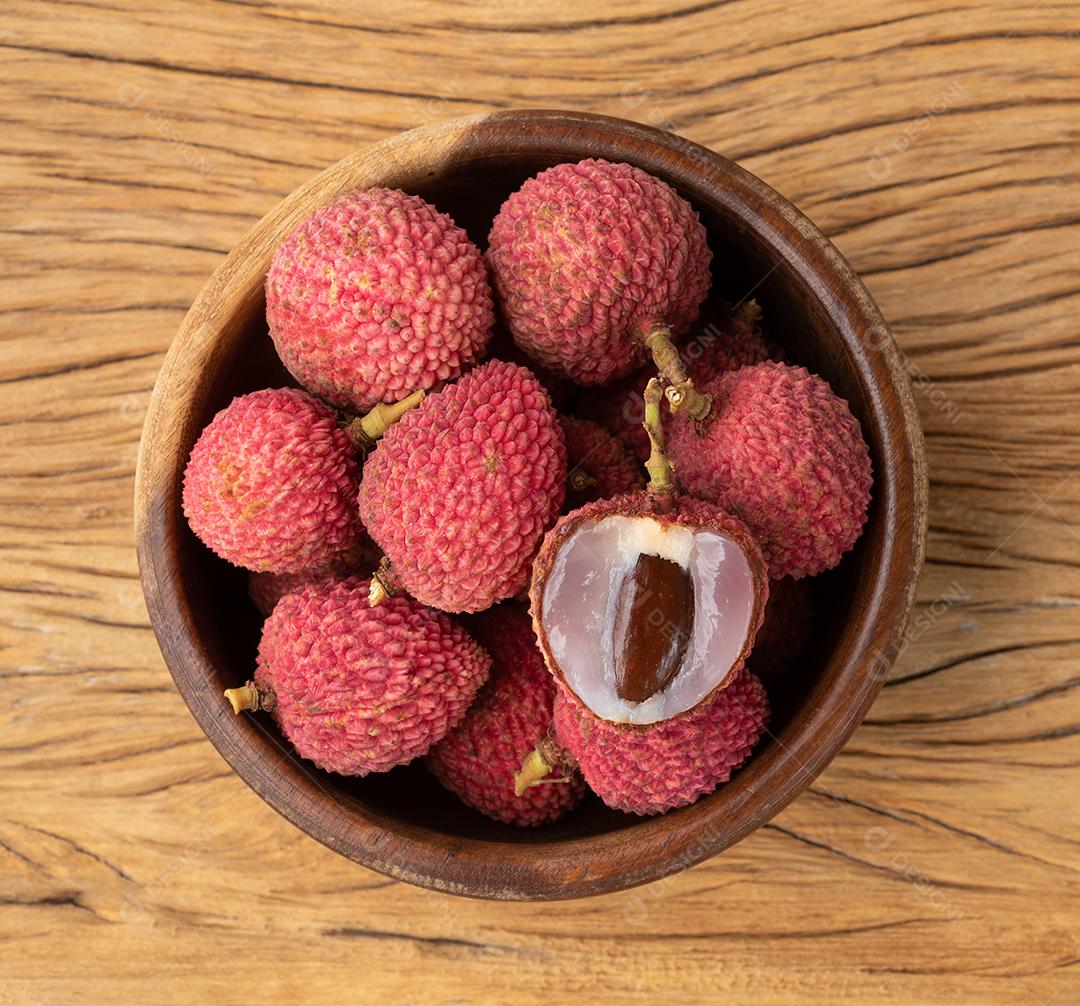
point(936, 861)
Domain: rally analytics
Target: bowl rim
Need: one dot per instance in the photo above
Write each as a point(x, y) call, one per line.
point(654, 847)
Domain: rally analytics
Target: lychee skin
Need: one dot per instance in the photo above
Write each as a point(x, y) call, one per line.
point(649, 770)
point(376, 296)
point(271, 483)
point(477, 760)
point(266, 589)
point(593, 451)
point(459, 492)
point(358, 689)
point(587, 256)
point(784, 453)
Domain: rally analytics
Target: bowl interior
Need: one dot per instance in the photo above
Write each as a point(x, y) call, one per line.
point(760, 250)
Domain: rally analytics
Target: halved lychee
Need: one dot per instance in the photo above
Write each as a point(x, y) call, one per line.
point(646, 607)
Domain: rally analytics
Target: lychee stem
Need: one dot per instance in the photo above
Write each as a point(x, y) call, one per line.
point(247, 698)
point(579, 480)
point(384, 583)
point(532, 772)
point(658, 466)
point(681, 392)
point(366, 430)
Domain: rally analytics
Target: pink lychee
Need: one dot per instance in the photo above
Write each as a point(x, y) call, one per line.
point(594, 264)
point(649, 770)
point(271, 483)
point(460, 491)
point(357, 689)
point(783, 452)
point(477, 760)
point(376, 296)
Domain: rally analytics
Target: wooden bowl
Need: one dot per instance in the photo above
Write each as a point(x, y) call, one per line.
point(402, 823)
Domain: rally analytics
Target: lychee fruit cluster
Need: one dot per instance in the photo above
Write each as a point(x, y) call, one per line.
point(437, 489)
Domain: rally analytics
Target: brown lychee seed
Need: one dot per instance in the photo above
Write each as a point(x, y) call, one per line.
point(647, 604)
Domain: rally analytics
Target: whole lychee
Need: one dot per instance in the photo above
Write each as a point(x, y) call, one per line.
point(376, 296)
point(783, 452)
point(266, 589)
point(596, 264)
point(478, 758)
point(357, 689)
point(271, 483)
point(600, 465)
point(649, 770)
point(459, 493)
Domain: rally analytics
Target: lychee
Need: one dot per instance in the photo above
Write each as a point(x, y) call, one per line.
point(271, 483)
point(647, 604)
point(357, 689)
point(649, 770)
point(645, 607)
point(598, 264)
point(600, 466)
point(266, 589)
point(781, 451)
point(376, 296)
point(459, 493)
point(478, 758)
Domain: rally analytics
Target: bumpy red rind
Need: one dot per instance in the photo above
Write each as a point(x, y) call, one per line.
point(357, 689)
point(459, 492)
point(652, 769)
point(784, 453)
point(587, 257)
point(376, 296)
point(271, 483)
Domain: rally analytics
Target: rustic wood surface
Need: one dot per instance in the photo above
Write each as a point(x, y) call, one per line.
point(936, 861)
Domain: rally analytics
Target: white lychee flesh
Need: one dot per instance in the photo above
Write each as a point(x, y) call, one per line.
point(580, 602)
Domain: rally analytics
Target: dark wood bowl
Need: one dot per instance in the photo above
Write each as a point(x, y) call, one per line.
point(402, 823)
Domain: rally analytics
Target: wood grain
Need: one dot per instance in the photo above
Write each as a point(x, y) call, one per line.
point(935, 862)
